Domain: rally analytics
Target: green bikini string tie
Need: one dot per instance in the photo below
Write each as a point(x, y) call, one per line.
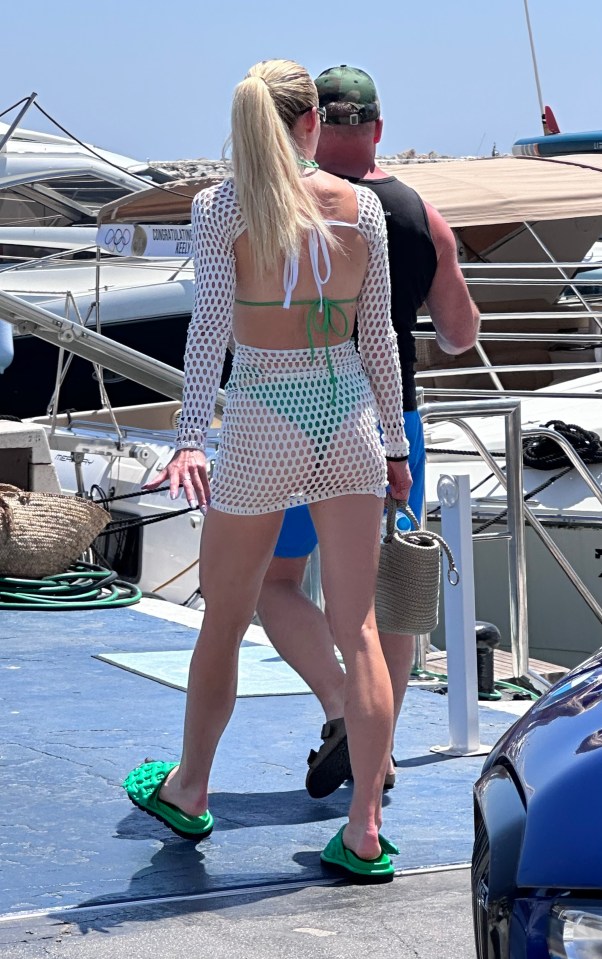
point(326, 307)
point(313, 324)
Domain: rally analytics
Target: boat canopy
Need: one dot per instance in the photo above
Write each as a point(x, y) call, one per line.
point(508, 189)
point(471, 192)
point(169, 203)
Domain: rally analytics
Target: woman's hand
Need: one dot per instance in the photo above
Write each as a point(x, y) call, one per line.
point(400, 479)
point(187, 468)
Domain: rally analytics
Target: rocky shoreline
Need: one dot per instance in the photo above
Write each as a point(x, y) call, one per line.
point(184, 169)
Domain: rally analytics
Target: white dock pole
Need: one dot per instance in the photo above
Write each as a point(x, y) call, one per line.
point(460, 639)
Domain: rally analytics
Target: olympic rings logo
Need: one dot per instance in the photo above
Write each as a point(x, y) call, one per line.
point(117, 239)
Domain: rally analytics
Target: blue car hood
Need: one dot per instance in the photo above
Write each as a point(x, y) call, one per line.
point(555, 751)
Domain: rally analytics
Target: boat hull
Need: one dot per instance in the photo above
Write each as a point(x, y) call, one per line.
point(562, 628)
point(27, 385)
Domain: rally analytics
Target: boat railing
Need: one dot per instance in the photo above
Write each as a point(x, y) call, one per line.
point(557, 353)
point(457, 413)
point(147, 264)
point(529, 265)
point(518, 513)
point(29, 262)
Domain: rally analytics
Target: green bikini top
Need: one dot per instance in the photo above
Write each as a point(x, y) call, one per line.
point(317, 247)
point(328, 308)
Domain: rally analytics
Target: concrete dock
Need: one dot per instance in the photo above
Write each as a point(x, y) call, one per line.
point(78, 859)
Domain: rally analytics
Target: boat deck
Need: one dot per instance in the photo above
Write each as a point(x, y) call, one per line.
point(502, 665)
point(73, 726)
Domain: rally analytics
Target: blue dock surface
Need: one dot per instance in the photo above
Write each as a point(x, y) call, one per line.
point(73, 726)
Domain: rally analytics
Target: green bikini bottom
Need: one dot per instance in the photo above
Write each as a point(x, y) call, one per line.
point(305, 396)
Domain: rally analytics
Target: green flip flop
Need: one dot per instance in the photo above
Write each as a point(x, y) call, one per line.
point(142, 786)
point(388, 847)
point(337, 856)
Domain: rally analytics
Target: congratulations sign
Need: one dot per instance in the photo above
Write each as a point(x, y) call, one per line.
point(160, 239)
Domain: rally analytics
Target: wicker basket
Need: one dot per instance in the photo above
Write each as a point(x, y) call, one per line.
point(43, 533)
point(409, 570)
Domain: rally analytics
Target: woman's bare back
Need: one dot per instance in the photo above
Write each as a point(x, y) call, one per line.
point(276, 328)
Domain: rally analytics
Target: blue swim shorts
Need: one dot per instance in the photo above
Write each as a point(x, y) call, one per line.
point(298, 535)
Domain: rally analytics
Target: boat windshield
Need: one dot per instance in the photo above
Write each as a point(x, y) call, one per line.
point(58, 201)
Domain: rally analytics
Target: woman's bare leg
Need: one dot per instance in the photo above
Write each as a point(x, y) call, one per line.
point(399, 651)
point(299, 632)
point(235, 554)
point(348, 529)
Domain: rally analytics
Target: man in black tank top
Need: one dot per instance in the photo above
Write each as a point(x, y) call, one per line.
point(412, 258)
point(424, 269)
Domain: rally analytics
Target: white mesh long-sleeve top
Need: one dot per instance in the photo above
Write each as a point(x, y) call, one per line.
point(217, 222)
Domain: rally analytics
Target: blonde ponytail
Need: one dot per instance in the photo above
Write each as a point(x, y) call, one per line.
point(277, 207)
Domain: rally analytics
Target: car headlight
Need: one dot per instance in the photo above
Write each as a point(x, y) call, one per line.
point(575, 932)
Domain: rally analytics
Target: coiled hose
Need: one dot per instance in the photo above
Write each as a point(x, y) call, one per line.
point(499, 684)
point(82, 586)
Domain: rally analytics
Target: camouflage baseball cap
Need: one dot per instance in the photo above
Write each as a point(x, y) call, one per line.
point(347, 95)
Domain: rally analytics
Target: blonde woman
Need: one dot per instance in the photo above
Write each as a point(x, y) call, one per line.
point(288, 259)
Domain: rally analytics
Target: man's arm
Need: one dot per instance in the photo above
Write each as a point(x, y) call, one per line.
point(454, 314)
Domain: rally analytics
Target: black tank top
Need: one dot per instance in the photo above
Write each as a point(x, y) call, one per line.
point(413, 262)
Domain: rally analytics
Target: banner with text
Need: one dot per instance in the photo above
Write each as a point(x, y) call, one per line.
point(150, 239)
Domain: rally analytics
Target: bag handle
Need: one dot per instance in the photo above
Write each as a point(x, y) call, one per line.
point(5, 511)
point(453, 576)
point(392, 506)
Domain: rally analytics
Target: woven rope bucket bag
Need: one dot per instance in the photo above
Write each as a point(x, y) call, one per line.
point(43, 533)
point(409, 572)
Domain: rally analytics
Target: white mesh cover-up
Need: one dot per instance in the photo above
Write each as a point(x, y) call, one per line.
point(288, 437)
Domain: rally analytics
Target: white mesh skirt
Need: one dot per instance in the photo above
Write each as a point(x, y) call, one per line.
point(296, 430)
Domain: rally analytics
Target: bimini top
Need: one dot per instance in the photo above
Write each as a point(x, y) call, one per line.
point(169, 203)
point(508, 189)
point(466, 192)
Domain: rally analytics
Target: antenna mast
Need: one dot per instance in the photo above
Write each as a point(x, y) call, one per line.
point(546, 129)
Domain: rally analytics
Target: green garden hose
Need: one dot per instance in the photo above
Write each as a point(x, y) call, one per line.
point(83, 586)
point(498, 684)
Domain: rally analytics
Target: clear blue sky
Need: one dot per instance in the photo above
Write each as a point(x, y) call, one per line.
point(155, 80)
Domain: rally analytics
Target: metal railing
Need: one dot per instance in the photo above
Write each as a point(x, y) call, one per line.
point(510, 409)
point(556, 276)
point(518, 512)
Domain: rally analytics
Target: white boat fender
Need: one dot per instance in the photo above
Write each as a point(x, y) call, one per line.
point(6, 345)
